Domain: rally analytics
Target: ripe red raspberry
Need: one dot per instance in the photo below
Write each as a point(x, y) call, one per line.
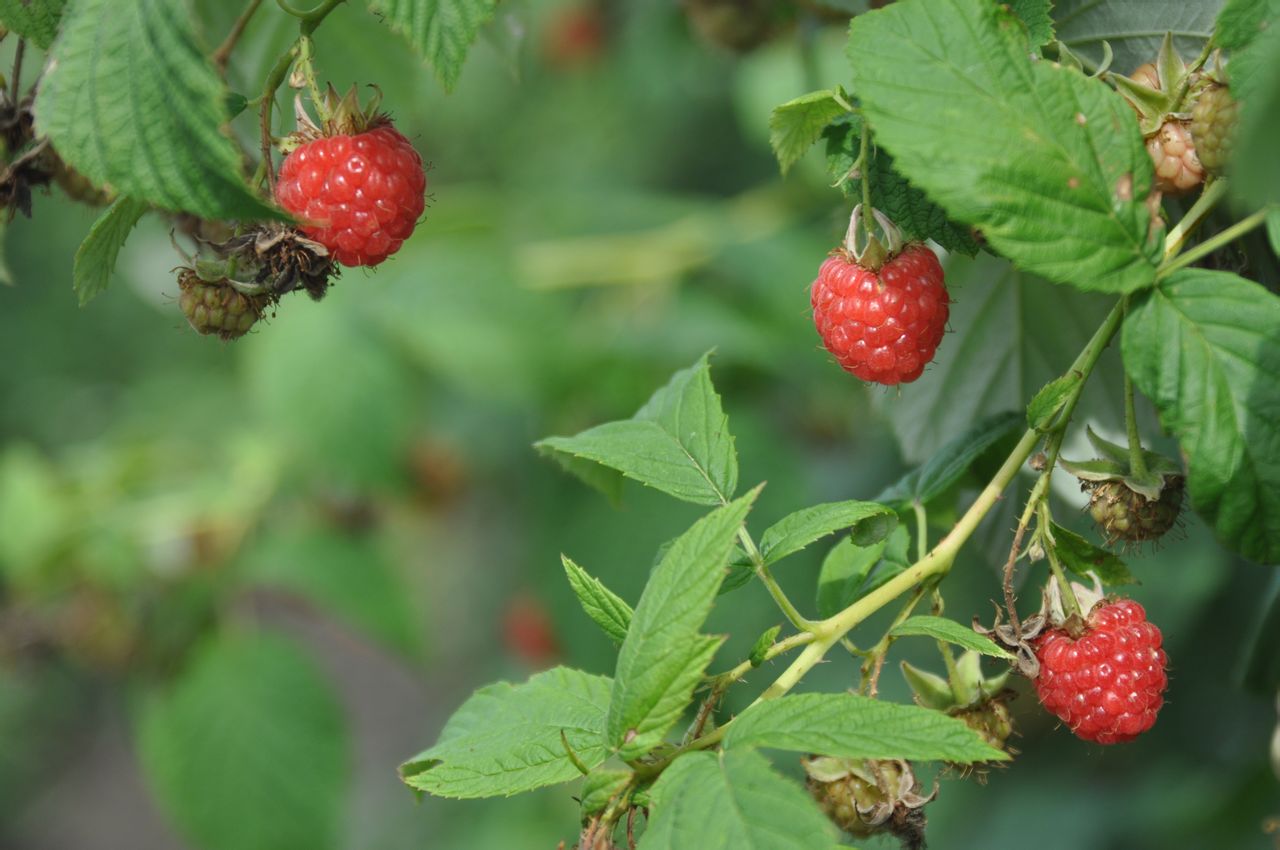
point(358, 195)
point(1108, 683)
point(882, 326)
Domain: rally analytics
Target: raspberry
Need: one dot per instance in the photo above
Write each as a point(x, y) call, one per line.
point(1173, 152)
point(1213, 124)
point(360, 195)
point(869, 797)
point(1107, 684)
point(991, 719)
point(217, 308)
point(1123, 514)
point(882, 326)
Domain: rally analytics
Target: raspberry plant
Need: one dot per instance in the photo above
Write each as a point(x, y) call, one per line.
point(960, 128)
point(972, 125)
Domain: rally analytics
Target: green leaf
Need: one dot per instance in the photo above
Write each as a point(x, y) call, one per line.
point(857, 727)
point(844, 570)
point(247, 748)
point(96, 258)
point(1035, 14)
point(950, 631)
point(1134, 30)
point(796, 125)
point(762, 645)
point(950, 463)
point(441, 31)
point(505, 738)
point(342, 574)
point(1273, 230)
point(130, 100)
point(600, 787)
point(679, 442)
point(1045, 405)
point(906, 205)
point(1084, 559)
point(1241, 21)
point(1012, 335)
point(809, 525)
point(732, 801)
point(609, 611)
point(1071, 204)
point(35, 20)
point(1254, 36)
point(663, 656)
point(1204, 346)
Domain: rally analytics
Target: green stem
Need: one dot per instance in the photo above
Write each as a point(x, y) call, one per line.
point(922, 530)
point(935, 563)
point(789, 610)
point(276, 76)
point(1137, 463)
point(864, 151)
point(875, 659)
point(1212, 244)
point(1070, 605)
point(1209, 198)
point(309, 75)
point(785, 645)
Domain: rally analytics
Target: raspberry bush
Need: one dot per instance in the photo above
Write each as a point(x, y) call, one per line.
point(1048, 230)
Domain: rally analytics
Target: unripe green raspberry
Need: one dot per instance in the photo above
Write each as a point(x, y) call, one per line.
point(217, 308)
point(1213, 125)
point(1122, 514)
point(870, 797)
point(992, 720)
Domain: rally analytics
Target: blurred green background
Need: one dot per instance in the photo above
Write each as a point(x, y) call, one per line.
point(329, 533)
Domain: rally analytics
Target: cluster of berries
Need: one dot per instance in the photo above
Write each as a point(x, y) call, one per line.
point(356, 186)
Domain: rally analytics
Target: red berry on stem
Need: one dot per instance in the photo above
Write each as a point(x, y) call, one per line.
point(883, 326)
point(360, 195)
point(1108, 683)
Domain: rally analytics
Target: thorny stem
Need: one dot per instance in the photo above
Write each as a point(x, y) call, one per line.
point(1137, 463)
point(875, 660)
point(1212, 244)
point(762, 571)
point(222, 55)
point(1208, 199)
point(935, 563)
